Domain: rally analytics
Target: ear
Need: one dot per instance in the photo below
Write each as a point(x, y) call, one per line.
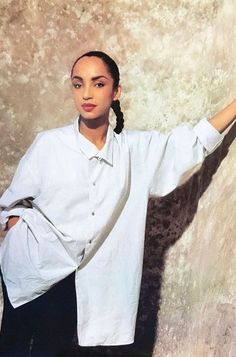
point(117, 93)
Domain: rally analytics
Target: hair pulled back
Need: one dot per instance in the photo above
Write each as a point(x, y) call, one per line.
point(114, 72)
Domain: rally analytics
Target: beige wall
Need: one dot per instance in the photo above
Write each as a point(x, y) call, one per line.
point(177, 62)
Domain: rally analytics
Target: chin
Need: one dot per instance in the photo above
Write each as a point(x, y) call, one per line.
point(89, 116)
point(94, 116)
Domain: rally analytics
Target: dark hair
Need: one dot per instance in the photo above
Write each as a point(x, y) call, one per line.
point(114, 71)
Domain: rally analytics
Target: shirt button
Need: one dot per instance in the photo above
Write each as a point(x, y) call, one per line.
point(94, 183)
point(90, 241)
point(93, 213)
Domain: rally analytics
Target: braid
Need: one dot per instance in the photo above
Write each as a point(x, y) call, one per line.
point(119, 116)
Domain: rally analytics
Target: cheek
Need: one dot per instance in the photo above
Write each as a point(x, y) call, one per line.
point(76, 96)
point(109, 96)
point(108, 101)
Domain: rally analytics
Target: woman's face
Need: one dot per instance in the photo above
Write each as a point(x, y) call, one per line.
point(93, 90)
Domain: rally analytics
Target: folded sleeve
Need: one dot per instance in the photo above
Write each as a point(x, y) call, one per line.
point(174, 157)
point(25, 184)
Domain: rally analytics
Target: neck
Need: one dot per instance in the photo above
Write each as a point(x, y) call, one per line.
point(94, 130)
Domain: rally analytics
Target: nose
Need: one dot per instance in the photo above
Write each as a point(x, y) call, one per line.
point(87, 93)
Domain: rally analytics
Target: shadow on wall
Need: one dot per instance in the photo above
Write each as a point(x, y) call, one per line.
point(167, 219)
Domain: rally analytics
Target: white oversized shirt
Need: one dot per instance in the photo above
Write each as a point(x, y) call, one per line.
point(88, 215)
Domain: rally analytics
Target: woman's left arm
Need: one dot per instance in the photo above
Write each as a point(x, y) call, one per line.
point(224, 118)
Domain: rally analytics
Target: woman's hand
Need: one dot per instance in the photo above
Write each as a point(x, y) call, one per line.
point(12, 221)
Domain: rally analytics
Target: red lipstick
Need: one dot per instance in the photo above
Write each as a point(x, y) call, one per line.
point(88, 107)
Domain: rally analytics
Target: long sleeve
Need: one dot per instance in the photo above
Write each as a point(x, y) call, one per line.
point(173, 158)
point(25, 184)
point(34, 254)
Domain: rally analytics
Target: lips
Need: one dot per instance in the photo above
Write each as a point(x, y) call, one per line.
point(88, 107)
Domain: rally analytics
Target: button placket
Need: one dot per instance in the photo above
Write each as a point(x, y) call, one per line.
point(92, 197)
point(95, 173)
point(99, 159)
point(93, 183)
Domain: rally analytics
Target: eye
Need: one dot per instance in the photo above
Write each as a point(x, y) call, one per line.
point(77, 85)
point(99, 85)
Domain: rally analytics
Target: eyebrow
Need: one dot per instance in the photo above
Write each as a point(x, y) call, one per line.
point(93, 78)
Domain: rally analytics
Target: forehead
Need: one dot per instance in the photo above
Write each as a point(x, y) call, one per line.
point(91, 66)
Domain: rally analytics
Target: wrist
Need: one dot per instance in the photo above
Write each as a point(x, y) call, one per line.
point(12, 220)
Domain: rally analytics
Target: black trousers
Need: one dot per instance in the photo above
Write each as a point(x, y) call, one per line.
point(44, 327)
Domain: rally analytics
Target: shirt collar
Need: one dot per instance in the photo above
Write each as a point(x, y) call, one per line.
point(90, 150)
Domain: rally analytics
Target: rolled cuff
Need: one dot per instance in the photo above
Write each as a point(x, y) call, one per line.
point(208, 135)
point(4, 215)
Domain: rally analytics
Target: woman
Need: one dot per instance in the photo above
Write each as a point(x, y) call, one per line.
point(75, 214)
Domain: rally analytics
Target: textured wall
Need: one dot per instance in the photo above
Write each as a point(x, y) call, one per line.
point(177, 62)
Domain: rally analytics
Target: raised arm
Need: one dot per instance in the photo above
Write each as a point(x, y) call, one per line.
point(224, 118)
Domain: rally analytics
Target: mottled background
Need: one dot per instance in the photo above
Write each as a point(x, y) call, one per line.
point(177, 62)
